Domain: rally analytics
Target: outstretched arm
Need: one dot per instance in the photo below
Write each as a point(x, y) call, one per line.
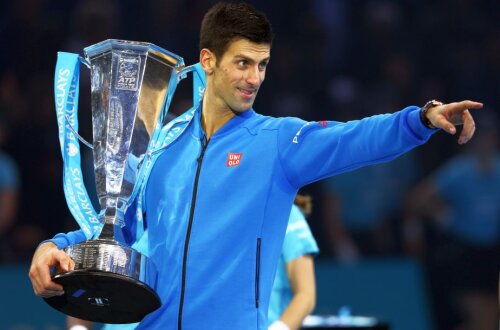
point(310, 151)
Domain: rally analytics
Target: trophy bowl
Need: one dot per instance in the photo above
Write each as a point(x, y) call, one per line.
point(108, 283)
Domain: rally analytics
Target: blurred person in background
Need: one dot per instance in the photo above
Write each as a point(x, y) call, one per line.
point(362, 209)
point(461, 200)
point(293, 295)
point(9, 192)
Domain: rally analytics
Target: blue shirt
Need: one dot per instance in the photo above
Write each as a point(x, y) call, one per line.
point(298, 242)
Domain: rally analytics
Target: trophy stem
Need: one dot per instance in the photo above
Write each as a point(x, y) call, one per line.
point(113, 218)
point(107, 232)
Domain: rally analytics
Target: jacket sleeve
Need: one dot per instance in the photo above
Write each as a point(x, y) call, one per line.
point(310, 151)
point(63, 240)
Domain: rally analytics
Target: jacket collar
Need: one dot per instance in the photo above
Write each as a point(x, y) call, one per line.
point(228, 127)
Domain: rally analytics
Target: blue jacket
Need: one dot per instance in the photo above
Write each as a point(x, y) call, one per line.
point(217, 211)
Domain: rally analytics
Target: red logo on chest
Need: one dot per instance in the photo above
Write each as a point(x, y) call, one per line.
point(233, 159)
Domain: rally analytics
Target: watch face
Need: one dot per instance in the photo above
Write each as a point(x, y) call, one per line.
point(433, 103)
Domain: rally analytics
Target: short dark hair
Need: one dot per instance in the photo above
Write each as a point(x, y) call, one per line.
point(227, 21)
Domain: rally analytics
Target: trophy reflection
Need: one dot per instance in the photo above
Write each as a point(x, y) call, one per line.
point(130, 83)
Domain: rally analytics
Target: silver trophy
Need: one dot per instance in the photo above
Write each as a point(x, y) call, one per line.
point(111, 282)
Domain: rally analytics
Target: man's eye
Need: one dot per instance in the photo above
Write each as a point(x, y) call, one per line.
point(262, 66)
point(242, 63)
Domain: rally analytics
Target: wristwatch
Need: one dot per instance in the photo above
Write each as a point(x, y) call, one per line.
point(425, 109)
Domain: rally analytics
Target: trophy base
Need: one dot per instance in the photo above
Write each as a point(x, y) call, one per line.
point(106, 285)
point(104, 297)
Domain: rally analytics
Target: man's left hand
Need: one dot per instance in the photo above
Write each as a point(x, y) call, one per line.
point(448, 116)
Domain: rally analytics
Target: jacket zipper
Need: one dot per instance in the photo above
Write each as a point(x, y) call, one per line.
point(257, 273)
point(204, 144)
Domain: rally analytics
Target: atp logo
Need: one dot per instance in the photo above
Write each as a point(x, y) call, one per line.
point(233, 159)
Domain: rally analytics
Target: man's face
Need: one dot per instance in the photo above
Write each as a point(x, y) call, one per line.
point(238, 75)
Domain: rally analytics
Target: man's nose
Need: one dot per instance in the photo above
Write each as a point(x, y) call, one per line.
point(254, 76)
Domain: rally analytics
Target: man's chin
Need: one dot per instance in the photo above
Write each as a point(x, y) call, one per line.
point(242, 107)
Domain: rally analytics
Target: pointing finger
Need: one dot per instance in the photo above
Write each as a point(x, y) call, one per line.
point(467, 104)
point(468, 129)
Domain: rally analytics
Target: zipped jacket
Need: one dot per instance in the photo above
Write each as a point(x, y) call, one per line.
point(216, 211)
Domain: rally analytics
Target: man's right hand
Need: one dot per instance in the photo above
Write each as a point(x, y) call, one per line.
point(46, 256)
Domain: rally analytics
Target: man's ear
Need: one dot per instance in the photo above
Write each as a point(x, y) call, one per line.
point(207, 61)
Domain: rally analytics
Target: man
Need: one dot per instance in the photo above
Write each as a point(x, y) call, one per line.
point(218, 198)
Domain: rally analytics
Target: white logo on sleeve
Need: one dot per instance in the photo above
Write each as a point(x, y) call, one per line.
point(322, 123)
point(296, 137)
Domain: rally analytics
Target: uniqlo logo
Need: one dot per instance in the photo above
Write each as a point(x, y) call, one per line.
point(233, 159)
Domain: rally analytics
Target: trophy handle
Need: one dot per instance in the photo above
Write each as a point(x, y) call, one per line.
point(199, 80)
point(183, 71)
point(82, 140)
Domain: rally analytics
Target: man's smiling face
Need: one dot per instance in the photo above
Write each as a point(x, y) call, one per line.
point(237, 76)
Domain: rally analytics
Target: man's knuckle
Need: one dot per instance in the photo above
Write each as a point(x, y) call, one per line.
point(34, 271)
